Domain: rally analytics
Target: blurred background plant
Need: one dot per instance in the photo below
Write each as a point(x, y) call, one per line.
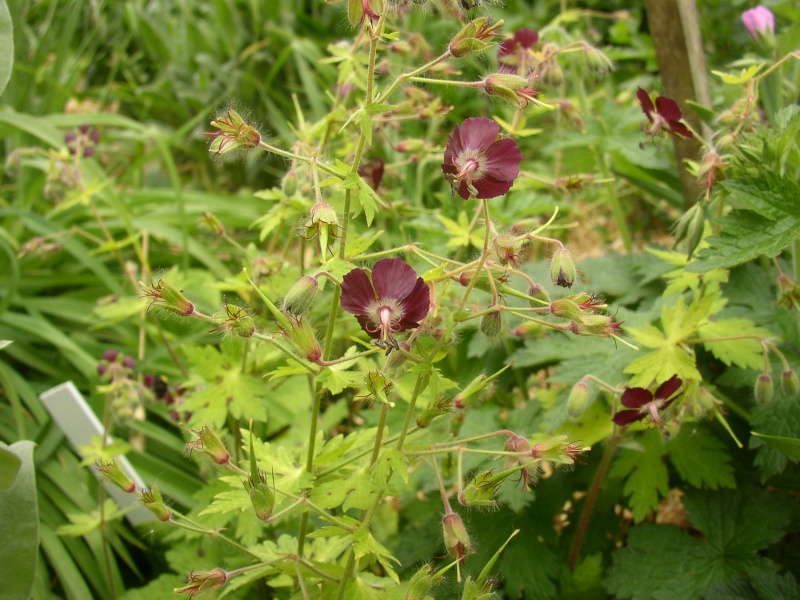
point(108, 182)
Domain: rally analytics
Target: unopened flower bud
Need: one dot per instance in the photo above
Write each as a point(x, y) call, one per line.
point(597, 61)
point(421, 583)
point(554, 74)
point(764, 389)
point(565, 308)
point(322, 212)
point(578, 399)
point(209, 443)
point(539, 296)
point(456, 538)
point(475, 36)
point(481, 490)
point(511, 89)
point(289, 183)
point(167, 297)
point(153, 502)
point(492, 324)
point(212, 223)
point(200, 583)
point(302, 335)
point(234, 133)
point(482, 283)
point(110, 471)
point(790, 385)
point(299, 299)
point(261, 496)
point(562, 268)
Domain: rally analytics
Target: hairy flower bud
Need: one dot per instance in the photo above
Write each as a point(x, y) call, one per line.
point(209, 443)
point(565, 308)
point(562, 268)
point(421, 583)
point(764, 389)
point(153, 502)
point(456, 538)
point(261, 496)
point(539, 296)
point(481, 490)
point(301, 296)
point(492, 324)
point(110, 471)
point(302, 335)
point(475, 36)
point(578, 399)
point(166, 296)
point(201, 583)
point(234, 133)
point(790, 384)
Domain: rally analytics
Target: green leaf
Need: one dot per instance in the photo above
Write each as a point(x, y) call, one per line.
point(789, 446)
point(713, 471)
point(764, 229)
point(20, 534)
point(664, 562)
point(648, 480)
point(744, 353)
point(391, 461)
point(335, 381)
point(779, 418)
point(6, 45)
point(459, 232)
point(9, 467)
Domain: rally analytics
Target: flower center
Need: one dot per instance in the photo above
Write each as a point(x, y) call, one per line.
point(384, 316)
point(472, 165)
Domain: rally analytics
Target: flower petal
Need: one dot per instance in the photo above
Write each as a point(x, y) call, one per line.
point(669, 387)
point(680, 129)
point(636, 397)
point(488, 187)
point(506, 49)
point(502, 160)
point(668, 108)
point(477, 133)
point(626, 417)
point(646, 103)
point(363, 320)
point(357, 292)
point(526, 37)
point(393, 278)
point(417, 304)
point(454, 147)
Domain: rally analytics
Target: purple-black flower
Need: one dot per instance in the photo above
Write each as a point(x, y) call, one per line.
point(476, 163)
point(642, 403)
point(390, 300)
point(759, 21)
point(82, 142)
point(512, 55)
point(664, 116)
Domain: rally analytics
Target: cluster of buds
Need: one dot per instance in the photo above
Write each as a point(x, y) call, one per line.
point(764, 388)
point(581, 309)
point(171, 396)
point(81, 142)
point(476, 36)
point(233, 133)
point(38, 246)
point(126, 394)
point(236, 320)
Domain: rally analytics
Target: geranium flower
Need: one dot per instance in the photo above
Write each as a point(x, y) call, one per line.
point(476, 163)
point(512, 54)
point(391, 300)
point(759, 21)
point(642, 403)
point(664, 116)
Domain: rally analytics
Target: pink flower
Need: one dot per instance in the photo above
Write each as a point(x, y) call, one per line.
point(759, 20)
point(643, 403)
point(391, 300)
point(476, 163)
point(664, 116)
point(512, 53)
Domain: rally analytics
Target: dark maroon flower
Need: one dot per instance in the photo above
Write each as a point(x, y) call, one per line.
point(372, 172)
point(642, 403)
point(82, 141)
point(476, 163)
point(664, 116)
point(512, 55)
point(391, 300)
